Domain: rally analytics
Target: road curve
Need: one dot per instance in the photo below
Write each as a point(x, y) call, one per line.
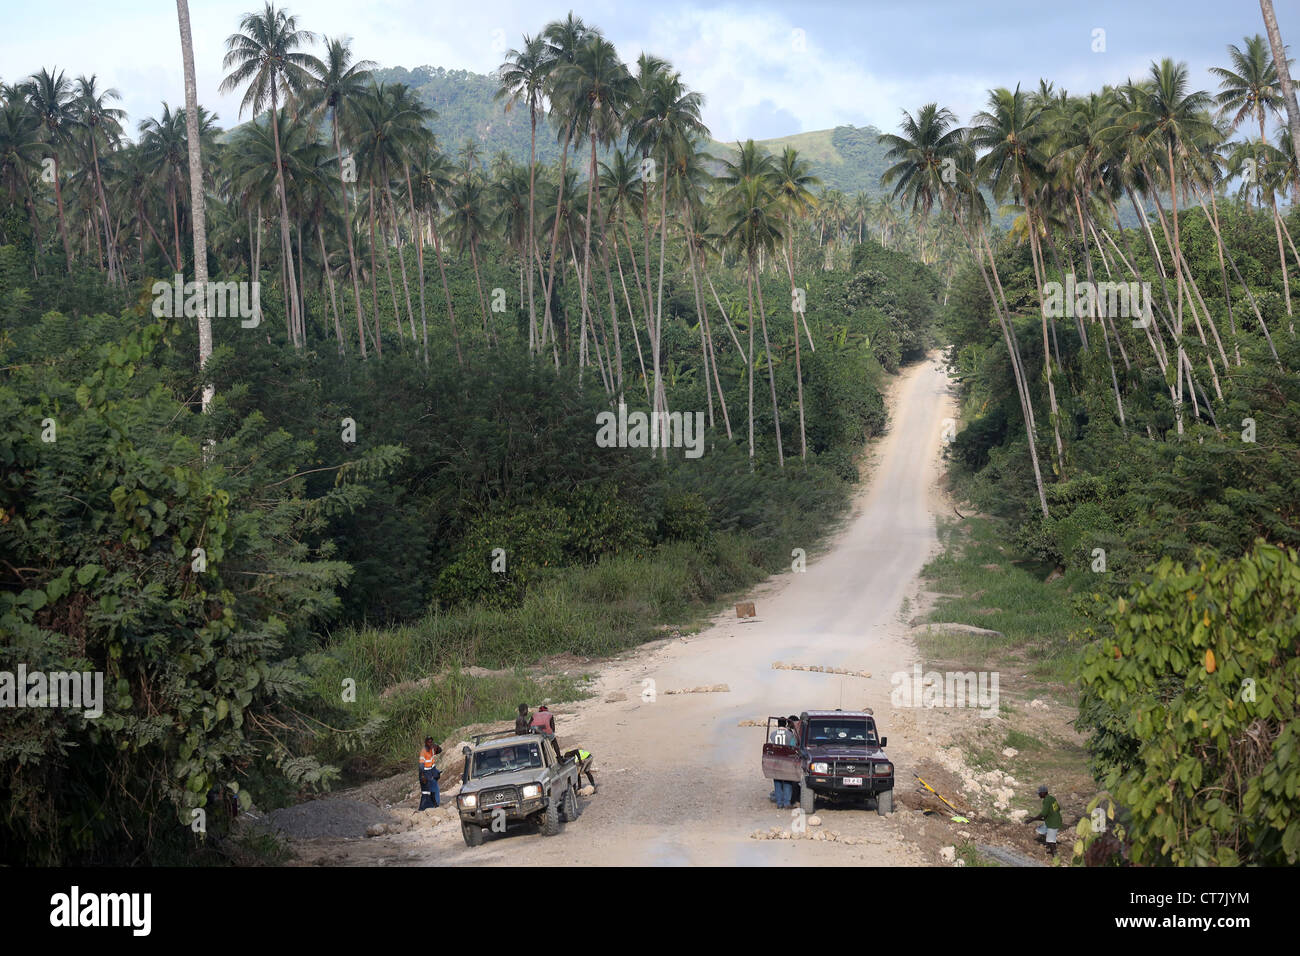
point(680, 782)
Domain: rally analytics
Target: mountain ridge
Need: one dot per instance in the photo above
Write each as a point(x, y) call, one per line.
point(847, 158)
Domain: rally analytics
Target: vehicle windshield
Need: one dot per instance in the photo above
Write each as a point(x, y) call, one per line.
point(827, 731)
point(506, 759)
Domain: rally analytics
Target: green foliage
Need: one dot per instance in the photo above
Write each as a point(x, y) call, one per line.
point(195, 647)
point(1196, 692)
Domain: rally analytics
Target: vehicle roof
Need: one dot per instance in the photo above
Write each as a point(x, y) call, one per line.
point(838, 713)
point(514, 741)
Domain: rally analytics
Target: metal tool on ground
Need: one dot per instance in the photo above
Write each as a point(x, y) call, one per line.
point(924, 787)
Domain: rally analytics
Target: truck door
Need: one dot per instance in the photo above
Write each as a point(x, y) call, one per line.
point(781, 760)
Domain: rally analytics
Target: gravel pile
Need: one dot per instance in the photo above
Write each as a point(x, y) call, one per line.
point(336, 817)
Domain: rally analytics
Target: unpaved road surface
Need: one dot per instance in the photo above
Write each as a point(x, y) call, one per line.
point(679, 778)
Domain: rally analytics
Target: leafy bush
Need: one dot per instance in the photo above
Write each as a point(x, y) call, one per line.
point(1192, 709)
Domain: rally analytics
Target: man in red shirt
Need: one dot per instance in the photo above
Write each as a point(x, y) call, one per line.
point(543, 721)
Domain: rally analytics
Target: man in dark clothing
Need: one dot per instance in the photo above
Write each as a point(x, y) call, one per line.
point(429, 774)
point(524, 720)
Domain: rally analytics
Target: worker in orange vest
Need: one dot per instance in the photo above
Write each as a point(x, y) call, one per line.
point(429, 774)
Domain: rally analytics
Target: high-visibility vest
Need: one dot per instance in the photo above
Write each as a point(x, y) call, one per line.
point(583, 755)
point(544, 721)
point(426, 759)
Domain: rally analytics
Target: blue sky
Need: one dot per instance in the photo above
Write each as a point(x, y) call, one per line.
point(765, 69)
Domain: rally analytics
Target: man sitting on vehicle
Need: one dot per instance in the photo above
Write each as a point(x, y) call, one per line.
point(543, 721)
point(524, 720)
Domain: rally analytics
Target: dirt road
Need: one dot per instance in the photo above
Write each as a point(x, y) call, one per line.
point(680, 782)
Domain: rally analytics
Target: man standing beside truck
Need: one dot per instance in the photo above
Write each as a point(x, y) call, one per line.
point(783, 790)
point(429, 774)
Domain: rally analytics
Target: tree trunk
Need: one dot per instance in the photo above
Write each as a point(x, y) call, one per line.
point(329, 276)
point(532, 232)
point(418, 234)
point(198, 213)
point(446, 290)
point(58, 199)
point(347, 231)
point(1283, 72)
point(771, 375)
point(374, 273)
point(284, 210)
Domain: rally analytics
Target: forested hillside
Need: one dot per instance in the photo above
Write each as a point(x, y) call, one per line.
point(282, 524)
point(1132, 414)
point(306, 421)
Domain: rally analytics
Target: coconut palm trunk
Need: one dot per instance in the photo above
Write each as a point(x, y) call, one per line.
point(446, 289)
point(198, 213)
point(284, 219)
point(347, 231)
point(771, 375)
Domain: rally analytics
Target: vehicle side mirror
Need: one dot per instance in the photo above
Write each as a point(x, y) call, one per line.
point(884, 741)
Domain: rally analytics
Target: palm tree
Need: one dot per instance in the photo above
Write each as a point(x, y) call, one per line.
point(100, 121)
point(599, 87)
point(558, 203)
point(523, 77)
point(754, 214)
point(618, 180)
point(264, 55)
point(433, 175)
point(20, 147)
point(1250, 85)
point(197, 219)
point(929, 147)
point(389, 129)
point(338, 85)
point(50, 97)
point(1014, 163)
point(467, 224)
point(861, 212)
point(563, 40)
point(163, 147)
point(794, 186)
point(1284, 75)
point(700, 243)
point(1170, 120)
point(254, 150)
point(664, 120)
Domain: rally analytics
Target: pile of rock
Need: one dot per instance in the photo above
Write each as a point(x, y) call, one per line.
point(818, 669)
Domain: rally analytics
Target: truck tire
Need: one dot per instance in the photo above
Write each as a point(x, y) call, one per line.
point(885, 802)
point(807, 799)
point(551, 819)
point(472, 833)
point(570, 808)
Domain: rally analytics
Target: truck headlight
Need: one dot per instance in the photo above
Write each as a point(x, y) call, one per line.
point(883, 769)
point(469, 801)
point(820, 768)
point(532, 790)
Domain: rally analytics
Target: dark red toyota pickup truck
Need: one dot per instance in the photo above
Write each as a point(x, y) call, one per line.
point(834, 754)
